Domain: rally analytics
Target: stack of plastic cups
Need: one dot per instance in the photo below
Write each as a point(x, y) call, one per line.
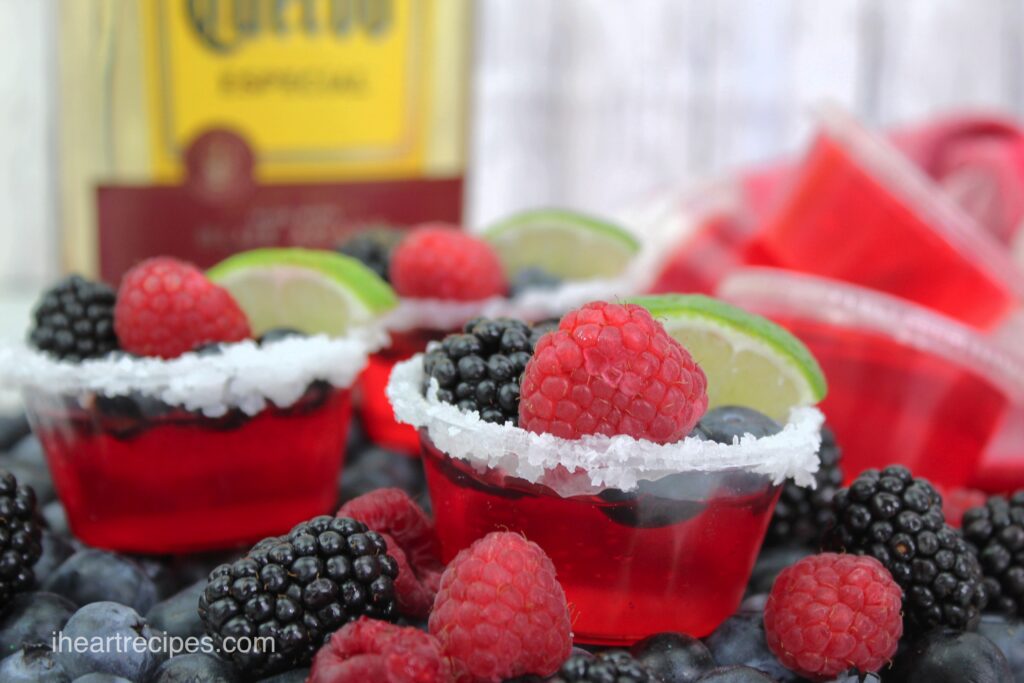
point(906, 384)
point(859, 212)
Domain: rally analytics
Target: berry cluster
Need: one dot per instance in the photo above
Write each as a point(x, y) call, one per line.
point(298, 589)
point(996, 531)
point(480, 369)
point(20, 537)
point(898, 520)
point(74, 320)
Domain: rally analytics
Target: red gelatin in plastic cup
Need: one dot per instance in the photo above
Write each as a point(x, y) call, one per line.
point(906, 385)
point(141, 478)
point(378, 418)
point(621, 562)
point(859, 212)
point(631, 526)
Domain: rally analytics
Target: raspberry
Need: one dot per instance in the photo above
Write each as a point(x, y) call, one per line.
point(612, 369)
point(439, 262)
point(830, 612)
point(500, 611)
point(411, 541)
point(166, 307)
point(370, 650)
point(391, 511)
point(415, 589)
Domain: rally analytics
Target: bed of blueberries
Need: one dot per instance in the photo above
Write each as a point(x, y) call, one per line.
point(82, 591)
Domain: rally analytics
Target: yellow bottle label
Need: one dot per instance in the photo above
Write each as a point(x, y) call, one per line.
point(319, 89)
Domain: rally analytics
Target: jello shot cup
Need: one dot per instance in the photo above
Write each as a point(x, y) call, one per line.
point(645, 538)
point(907, 385)
point(859, 211)
point(203, 451)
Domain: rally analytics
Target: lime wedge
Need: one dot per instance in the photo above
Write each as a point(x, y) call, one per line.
point(317, 292)
point(563, 243)
point(749, 360)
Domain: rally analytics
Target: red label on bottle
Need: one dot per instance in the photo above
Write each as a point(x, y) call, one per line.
point(219, 210)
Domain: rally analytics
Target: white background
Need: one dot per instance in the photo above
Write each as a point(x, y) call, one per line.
point(595, 103)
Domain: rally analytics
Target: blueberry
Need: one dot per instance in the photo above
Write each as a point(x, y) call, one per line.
point(29, 451)
point(293, 676)
point(177, 615)
point(13, 428)
point(379, 468)
point(95, 575)
point(770, 563)
point(35, 475)
point(725, 423)
point(34, 664)
point(736, 674)
point(31, 619)
point(115, 624)
point(854, 676)
point(740, 641)
point(161, 573)
point(195, 667)
point(532, 278)
point(279, 333)
point(55, 551)
point(1008, 635)
point(754, 603)
point(100, 678)
point(56, 518)
point(673, 657)
point(940, 657)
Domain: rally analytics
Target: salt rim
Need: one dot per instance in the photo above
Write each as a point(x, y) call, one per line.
point(618, 462)
point(244, 375)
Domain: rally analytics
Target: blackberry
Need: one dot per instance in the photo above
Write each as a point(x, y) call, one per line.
point(298, 589)
point(480, 368)
point(533, 278)
point(898, 519)
point(21, 537)
point(613, 666)
point(373, 247)
point(996, 530)
point(75, 320)
point(802, 514)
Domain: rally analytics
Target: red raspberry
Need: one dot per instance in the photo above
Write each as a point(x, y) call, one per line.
point(411, 541)
point(500, 612)
point(828, 613)
point(166, 307)
point(371, 650)
point(612, 369)
point(440, 262)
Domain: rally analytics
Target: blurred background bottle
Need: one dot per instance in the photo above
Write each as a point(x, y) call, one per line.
point(203, 127)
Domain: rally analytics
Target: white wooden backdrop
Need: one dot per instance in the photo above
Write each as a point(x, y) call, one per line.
point(596, 103)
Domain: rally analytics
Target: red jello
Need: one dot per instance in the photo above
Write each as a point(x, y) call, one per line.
point(378, 418)
point(139, 476)
point(622, 559)
point(859, 212)
point(906, 385)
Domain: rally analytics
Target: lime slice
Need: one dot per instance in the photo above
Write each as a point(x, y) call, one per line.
point(569, 245)
point(317, 292)
point(749, 360)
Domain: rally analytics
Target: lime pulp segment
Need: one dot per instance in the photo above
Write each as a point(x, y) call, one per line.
point(569, 245)
point(317, 292)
